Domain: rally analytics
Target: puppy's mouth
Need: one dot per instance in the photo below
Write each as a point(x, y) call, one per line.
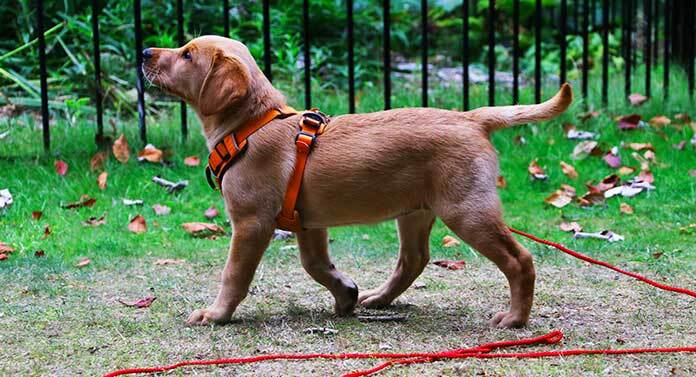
point(153, 75)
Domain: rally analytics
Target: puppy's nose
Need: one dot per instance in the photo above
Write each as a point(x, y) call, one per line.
point(147, 53)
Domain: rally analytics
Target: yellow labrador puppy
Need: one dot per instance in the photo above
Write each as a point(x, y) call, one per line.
point(412, 165)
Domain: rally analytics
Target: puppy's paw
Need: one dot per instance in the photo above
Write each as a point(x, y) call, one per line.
point(508, 320)
point(373, 299)
point(209, 316)
point(345, 303)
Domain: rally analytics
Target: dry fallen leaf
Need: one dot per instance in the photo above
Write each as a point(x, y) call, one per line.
point(150, 154)
point(561, 197)
point(500, 182)
point(211, 213)
point(97, 161)
point(584, 149)
point(162, 262)
point(659, 121)
point(570, 227)
point(85, 201)
point(629, 122)
point(192, 161)
point(613, 160)
point(5, 198)
point(121, 149)
point(3, 256)
point(637, 99)
point(450, 264)
point(593, 197)
point(140, 304)
point(101, 180)
point(608, 182)
point(132, 202)
point(5, 248)
point(625, 208)
point(626, 170)
point(683, 117)
point(604, 235)
point(645, 176)
point(679, 146)
point(36, 215)
point(569, 170)
point(83, 262)
point(161, 210)
point(61, 167)
point(536, 171)
point(39, 253)
point(641, 146)
point(203, 230)
point(649, 155)
point(95, 221)
point(137, 224)
point(449, 241)
point(46, 232)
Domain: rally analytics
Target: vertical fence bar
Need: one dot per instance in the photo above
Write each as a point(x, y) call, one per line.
point(634, 29)
point(593, 12)
point(564, 46)
point(665, 48)
point(576, 14)
point(180, 41)
point(605, 52)
point(585, 47)
point(656, 31)
point(424, 53)
point(629, 44)
point(689, 35)
point(226, 17)
point(307, 58)
point(138, 68)
point(516, 51)
point(351, 58)
point(97, 70)
point(42, 72)
point(491, 52)
point(647, 12)
point(386, 42)
point(465, 55)
point(267, 40)
point(537, 51)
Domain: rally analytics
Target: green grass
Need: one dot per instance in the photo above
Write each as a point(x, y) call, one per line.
point(71, 310)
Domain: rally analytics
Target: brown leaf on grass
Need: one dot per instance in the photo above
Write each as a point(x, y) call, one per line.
point(640, 146)
point(192, 161)
point(140, 304)
point(85, 201)
point(39, 253)
point(625, 208)
point(36, 215)
point(660, 121)
point(613, 160)
point(449, 241)
point(570, 227)
point(637, 99)
point(608, 182)
point(692, 172)
point(593, 197)
point(569, 170)
point(679, 146)
point(683, 117)
point(150, 154)
point(97, 161)
point(584, 149)
point(629, 122)
point(95, 221)
point(645, 176)
point(588, 115)
point(211, 213)
point(161, 210)
point(500, 182)
point(5, 248)
point(203, 230)
point(61, 167)
point(644, 164)
point(450, 264)
point(46, 232)
point(101, 180)
point(162, 262)
point(138, 224)
point(121, 149)
point(558, 199)
point(3, 256)
point(649, 155)
point(626, 170)
point(83, 262)
point(536, 171)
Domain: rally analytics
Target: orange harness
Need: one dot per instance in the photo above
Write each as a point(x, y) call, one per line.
point(225, 153)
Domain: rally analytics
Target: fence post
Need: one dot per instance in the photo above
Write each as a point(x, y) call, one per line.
point(386, 37)
point(605, 52)
point(465, 55)
point(564, 47)
point(516, 51)
point(491, 53)
point(139, 70)
point(647, 11)
point(351, 58)
point(690, 45)
point(424, 53)
point(267, 40)
point(180, 41)
point(307, 58)
point(226, 17)
point(585, 48)
point(665, 48)
point(97, 70)
point(537, 51)
point(628, 43)
point(43, 79)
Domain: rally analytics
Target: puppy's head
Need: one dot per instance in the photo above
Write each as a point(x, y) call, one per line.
point(211, 73)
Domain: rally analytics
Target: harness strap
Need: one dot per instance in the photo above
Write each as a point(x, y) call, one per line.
point(312, 124)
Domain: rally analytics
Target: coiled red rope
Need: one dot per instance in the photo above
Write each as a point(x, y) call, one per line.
point(480, 352)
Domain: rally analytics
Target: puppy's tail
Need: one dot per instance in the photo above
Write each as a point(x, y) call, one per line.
point(494, 118)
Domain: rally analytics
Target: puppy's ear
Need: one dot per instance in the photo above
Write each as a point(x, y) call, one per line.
point(226, 82)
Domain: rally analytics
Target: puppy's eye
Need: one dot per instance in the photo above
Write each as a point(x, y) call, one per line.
point(186, 55)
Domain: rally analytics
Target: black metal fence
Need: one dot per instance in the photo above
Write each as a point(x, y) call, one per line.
point(586, 9)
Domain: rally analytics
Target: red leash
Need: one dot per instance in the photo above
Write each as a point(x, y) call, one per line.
point(480, 352)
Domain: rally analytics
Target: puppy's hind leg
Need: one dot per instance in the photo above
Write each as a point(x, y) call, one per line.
point(414, 253)
point(314, 253)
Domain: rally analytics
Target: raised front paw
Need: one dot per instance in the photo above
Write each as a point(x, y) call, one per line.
point(208, 316)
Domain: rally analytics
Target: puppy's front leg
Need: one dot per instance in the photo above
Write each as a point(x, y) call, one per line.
point(249, 242)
